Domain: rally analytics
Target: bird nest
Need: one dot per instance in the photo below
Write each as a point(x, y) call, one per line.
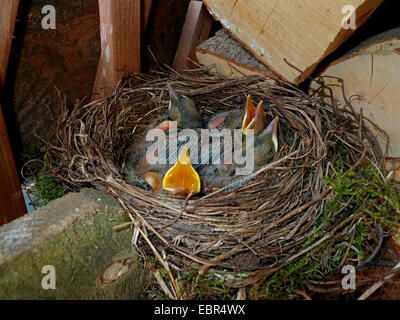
point(254, 230)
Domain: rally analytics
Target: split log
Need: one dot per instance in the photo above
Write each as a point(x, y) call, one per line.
point(229, 57)
point(301, 31)
point(371, 75)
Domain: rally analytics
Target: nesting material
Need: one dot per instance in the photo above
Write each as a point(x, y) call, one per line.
point(256, 229)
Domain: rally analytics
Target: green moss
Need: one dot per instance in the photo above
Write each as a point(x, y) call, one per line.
point(209, 286)
point(282, 283)
point(46, 188)
point(361, 236)
point(366, 191)
point(363, 192)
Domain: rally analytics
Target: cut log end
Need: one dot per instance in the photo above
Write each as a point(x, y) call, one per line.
point(371, 77)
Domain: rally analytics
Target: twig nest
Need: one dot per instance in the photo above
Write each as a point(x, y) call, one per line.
point(258, 228)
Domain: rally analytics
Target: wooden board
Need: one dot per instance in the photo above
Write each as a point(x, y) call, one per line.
point(228, 57)
point(371, 74)
point(196, 29)
point(8, 14)
point(146, 9)
point(120, 30)
point(44, 60)
point(301, 31)
point(12, 204)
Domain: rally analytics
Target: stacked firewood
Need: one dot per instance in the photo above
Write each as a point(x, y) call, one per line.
point(299, 39)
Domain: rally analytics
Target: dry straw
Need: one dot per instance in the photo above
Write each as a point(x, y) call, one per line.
point(257, 229)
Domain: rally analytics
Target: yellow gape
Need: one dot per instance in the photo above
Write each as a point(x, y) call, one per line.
point(249, 113)
point(182, 178)
point(259, 122)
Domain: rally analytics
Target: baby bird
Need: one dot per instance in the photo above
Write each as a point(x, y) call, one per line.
point(215, 176)
point(180, 179)
point(183, 110)
point(233, 119)
point(250, 119)
point(266, 144)
point(182, 113)
point(183, 178)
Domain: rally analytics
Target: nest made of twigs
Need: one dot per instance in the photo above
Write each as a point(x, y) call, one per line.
point(258, 228)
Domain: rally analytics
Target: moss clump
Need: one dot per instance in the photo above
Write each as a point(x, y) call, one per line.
point(46, 188)
point(209, 286)
point(366, 191)
point(282, 283)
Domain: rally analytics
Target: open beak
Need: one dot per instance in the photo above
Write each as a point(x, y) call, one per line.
point(172, 93)
point(272, 130)
point(249, 114)
point(182, 178)
point(173, 97)
point(259, 122)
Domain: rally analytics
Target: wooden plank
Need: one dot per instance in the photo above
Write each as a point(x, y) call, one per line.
point(146, 9)
point(12, 204)
point(301, 31)
point(120, 25)
point(8, 14)
point(371, 75)
point(196, 29)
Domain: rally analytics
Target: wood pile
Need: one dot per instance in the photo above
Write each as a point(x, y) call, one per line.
point(294, 39)
point(372, 79)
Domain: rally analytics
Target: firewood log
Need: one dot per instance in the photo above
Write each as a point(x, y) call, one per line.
point(371, 75)
point(301, 31)
point(229, 57)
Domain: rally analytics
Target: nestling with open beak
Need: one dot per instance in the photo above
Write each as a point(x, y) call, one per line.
point(179, 179)
point(233, 119)
point(182, 114)
point(215, 176)
point(182, 178)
